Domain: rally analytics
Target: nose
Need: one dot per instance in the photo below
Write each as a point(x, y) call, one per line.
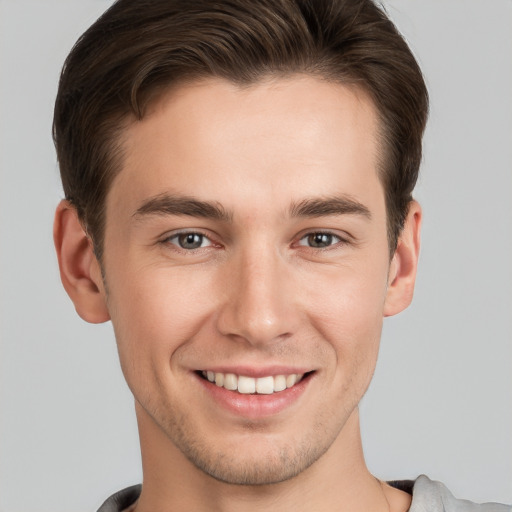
point(258, 305)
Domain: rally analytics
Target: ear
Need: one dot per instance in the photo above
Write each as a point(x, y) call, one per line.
point(402, 270)
point(80, 271)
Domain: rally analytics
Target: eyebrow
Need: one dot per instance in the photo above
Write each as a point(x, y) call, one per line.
point(336, 205)
point(165, 204)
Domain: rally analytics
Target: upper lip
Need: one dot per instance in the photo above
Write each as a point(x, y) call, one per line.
point(256, 372)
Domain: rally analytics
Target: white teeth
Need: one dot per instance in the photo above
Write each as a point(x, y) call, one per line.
point(219, 379)
point(265, 385)
point(279, 383)
point(291, 380)
point(246, 385)
point(250, 385)
point(230, 381)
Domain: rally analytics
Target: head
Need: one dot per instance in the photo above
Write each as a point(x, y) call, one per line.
point(237, 176)
point(135, 52)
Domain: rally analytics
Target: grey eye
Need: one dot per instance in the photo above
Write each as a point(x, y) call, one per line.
point(319, 240)
point(190, 240)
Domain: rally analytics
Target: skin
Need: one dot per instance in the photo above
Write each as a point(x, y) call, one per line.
point(257, 293)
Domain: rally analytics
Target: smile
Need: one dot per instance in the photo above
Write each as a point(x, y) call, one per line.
point(249, 385)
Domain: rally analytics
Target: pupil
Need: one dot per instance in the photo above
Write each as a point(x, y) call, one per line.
point(190, 240)
point(320, 240)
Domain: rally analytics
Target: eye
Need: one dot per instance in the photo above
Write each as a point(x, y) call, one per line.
point(189, 241)
point(319, 240)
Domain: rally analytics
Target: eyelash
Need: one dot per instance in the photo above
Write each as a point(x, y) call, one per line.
point(311, 234)
point(338, 240)
point(176, 236)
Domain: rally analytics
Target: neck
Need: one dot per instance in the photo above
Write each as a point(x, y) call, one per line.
point(338, 481)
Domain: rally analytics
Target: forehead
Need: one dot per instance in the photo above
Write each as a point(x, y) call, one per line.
point(271, 140)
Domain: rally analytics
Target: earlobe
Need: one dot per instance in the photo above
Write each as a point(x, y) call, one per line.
point(80, 271)
point(402, 272)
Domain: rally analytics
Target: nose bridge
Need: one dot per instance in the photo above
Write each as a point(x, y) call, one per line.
point(258, 307)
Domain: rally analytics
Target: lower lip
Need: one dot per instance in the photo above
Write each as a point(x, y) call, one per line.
point(255, 406)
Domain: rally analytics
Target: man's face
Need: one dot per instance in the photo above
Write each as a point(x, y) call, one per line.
point(246, 236)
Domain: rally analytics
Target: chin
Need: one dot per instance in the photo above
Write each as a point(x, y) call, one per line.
point(268, 467)
point(254, 457)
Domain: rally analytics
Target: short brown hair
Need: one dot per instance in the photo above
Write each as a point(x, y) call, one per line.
point(139, 48)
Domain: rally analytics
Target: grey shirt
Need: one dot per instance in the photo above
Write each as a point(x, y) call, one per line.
point(427, 496)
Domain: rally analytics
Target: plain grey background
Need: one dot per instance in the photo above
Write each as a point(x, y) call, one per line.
point(441, 400)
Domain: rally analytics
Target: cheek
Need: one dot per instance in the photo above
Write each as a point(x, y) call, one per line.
point(349, 315)
point(351, 301)
point(154, 313)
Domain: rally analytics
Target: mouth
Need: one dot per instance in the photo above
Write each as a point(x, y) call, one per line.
point(245, 385)
point(256, 394)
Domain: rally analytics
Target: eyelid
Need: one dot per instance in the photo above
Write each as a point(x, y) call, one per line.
point(166, 239)
point(307, 235)
point(342, 239)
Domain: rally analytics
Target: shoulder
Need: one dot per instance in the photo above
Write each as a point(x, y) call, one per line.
point(121, 500)
point(427, 496)
point(431, 496)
